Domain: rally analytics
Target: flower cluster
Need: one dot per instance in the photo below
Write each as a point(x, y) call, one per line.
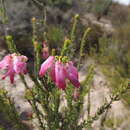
point(14, 64)
point(59, 68)
point(60, 71)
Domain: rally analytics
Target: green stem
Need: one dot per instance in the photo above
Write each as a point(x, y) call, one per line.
point(72, 36)
point(33, 103)
point(89, 104)
point(66, 47)
point(3, 12)
point(37, 49)
point(104, 119)
point(83, 41)
point(11, 45)
point(13, 113)
point(38, 113)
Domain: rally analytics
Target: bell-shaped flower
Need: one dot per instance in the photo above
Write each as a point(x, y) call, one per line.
point(46, 65)
point(60, 75)
point(72, 74)
point(59, 72)
point(14, 64)
point(19, 63)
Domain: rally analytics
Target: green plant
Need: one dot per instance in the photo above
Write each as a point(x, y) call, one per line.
point(55, 36)
point(9, 113)
point(56, 78)
point(101, 7)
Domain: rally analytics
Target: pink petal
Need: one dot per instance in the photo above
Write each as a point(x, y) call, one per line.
point(71, 69)
point(12, 77)
point(60, 75)
point(19, 64)
point(20, 68)
point(45, 51)
point(52, 73)
point(5, 62)
point(72, 74)
point(47, 64)
point(10, 73)
point(74, 80)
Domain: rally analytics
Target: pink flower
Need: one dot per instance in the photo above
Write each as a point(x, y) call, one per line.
point(14, 64)
point(46, 65)
point(20, 66)
point(45, 51)
point(59, 72)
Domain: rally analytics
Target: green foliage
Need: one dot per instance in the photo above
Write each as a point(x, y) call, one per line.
point(101, 7)
point(2, 128)
point(82, 44)
point(3, 16)
point(65, 50)
point(11, 45)
point(122, 35)
point(8, 112)
point(92, 41)
point(110, 122)
point(56, 2)
point(55, 36)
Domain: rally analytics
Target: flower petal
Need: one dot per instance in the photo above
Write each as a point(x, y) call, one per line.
point(74, 80)
point(5, 62)
point(10, 73)
point(60, 75)
point(72, 74)
point(47, 64)
point(19, 64)
point(52, 73)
